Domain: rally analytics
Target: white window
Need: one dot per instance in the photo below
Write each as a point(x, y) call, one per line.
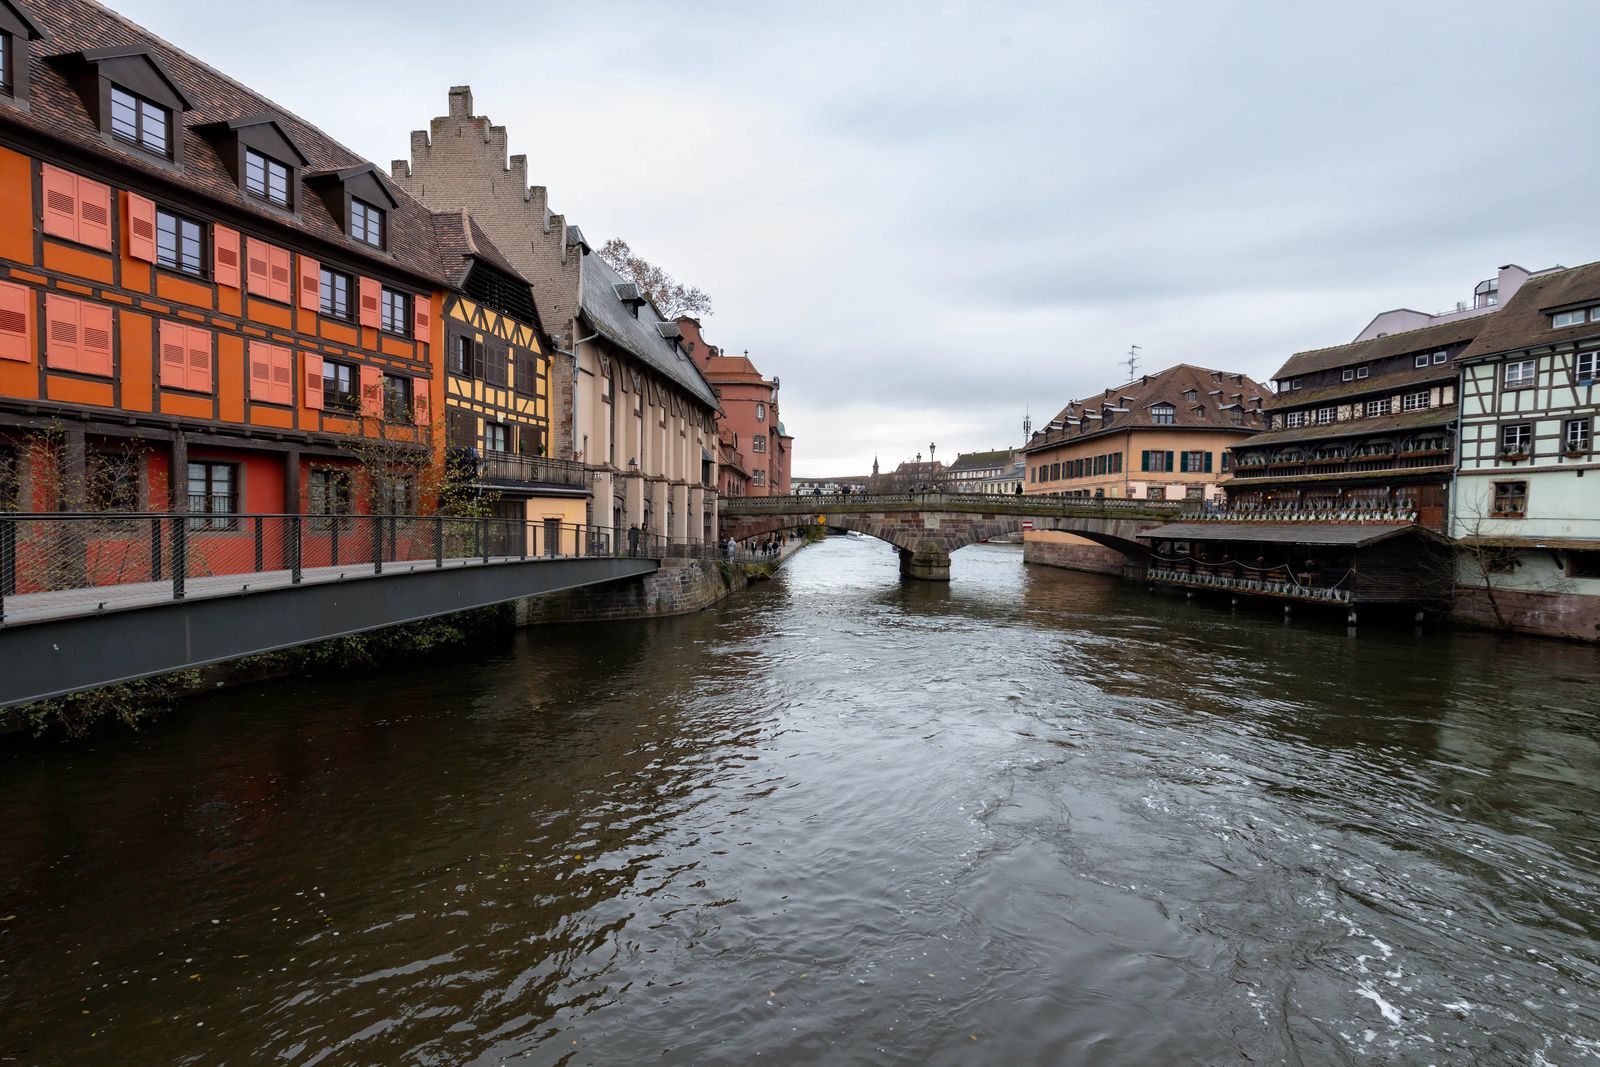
point(1421, 360)
point(758, 442)
point(1439, 357)
point(1294, 418)
point(1518, 374)
point(761, 413)
point(1327, 415)
point(1159, 413)
point(1361, 372)
point(1414, 401)
point(1516, 438)
point(1574, 318)
point(1376, 408)
point(1294, 383)
point(1575, 435)
point(1349, 374)
point(1588, 366)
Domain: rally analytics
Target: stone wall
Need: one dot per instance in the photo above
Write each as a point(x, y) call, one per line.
point(681, 586)
point(1072, 553)
point(1573, 616)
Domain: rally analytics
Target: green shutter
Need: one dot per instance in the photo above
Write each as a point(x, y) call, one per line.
point(1208, 462)
point(1183, 462)
point(1169, 461)
point(1144, 460)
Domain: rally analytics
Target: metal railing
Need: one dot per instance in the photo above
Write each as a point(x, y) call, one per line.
point(60, 561)
point(509, 468)
point(1273, 582)
point(1028, 504)
point(1352, 512)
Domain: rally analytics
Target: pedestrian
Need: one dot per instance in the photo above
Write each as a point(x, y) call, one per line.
point(633, 540)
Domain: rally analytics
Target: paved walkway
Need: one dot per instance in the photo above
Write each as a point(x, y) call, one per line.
point(65, 603)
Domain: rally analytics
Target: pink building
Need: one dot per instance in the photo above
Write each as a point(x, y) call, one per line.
point(749, 422)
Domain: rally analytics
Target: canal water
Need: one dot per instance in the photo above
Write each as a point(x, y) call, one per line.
point(1031, 817)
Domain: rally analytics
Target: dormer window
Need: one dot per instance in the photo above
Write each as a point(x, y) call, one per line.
point(265, 178)
point(1573, 318)
point(6, 63)
point(366, 223)
point(1162, 414)
point(1189, 395)
point(16, 30)
point(140, 122)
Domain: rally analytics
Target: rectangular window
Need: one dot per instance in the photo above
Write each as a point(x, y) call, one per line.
point(76, 208)
point(758, 442)
point(1575, 434)
point(265, 178)
point(1349, 374)
point(1588, 364)
point(213, 494)
point(1294, 383)
point(1156, 460)
point(1415, 401)
point(1421, 360)
point(1156, 492)
point(1510, 500)
point(527, 368)
point(271, 374)
point(395, 312)
point(496, 437)
point(180, 243)
point(338, 386)
point(397, 399)
point(1294, 419)
point(1518, 374)
point(1055, 472)
point(335, 294)
point(1569, 318)
point(78, 336)
point(139, 121)
point(328, 494)
point(1196, 462)
point(1516, 439)
point(1439, 357)
point(1376, 408)
point(1362, 372)
point(1195, 492)
point(1162, 414)
point(366, 223)
point(759, 477)
point(5, 63)
point(1227, 462)
point(1326, 415)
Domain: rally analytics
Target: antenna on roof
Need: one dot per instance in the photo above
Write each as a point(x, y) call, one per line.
point(1027, 422)
point(1133, 360)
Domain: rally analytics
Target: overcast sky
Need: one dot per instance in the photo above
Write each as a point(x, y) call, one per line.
point(929, 217)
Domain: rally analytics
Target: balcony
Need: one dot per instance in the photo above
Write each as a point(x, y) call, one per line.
point(1265, 581)
point(1360, 464)
point(508, 470)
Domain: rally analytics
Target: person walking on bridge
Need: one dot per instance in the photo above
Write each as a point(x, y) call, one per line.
point(633, 540)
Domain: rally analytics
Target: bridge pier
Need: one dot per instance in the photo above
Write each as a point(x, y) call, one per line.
point(926, 563)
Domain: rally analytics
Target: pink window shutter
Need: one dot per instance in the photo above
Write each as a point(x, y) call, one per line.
point(16, 317)
point(62, 347)
point(225, 256)
point(370, 291)
point(174, 356)
point(311, 380)
point(95, 329)
point(258, 275)
point(282, 376)
point(310, 284)
point(198, 343)
point(420, 409)
point(94, 214)
point(371, 392)
point(260, 373)
point(141, 214)
point(282, 275)
point(60, 202)
point(422, 312)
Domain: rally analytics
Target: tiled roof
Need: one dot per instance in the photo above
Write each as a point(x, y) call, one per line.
point(1524, 321)
point(1394, 344)
point(1377, 386)
point(637, 333)
point(459, 240)
point(55, 110)
point(731, 369)
point(1128, 406)
point(977, 460)
point(1406, 421)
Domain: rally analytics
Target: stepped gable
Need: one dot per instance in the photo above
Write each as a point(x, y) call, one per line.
point(56, 111)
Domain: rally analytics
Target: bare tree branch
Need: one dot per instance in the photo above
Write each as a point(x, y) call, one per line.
point(670, 296)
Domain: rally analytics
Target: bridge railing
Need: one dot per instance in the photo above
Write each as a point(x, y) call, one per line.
point(932, 500)
point(98, 560)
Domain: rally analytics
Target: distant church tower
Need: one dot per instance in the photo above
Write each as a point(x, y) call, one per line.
point(874, 466)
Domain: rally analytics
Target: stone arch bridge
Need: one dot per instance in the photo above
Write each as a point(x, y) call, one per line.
point(926, 527)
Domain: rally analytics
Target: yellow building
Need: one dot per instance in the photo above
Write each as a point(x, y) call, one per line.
point(497, 390)
point(1163, 436)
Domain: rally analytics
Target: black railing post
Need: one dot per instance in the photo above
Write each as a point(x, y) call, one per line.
point(294, 550)
point(180, 554)
point(438, 540)
point(261, 544)
point(155, 550)
point(483, 537)
point(333, 539)
point(8, 562)
point(377, 544)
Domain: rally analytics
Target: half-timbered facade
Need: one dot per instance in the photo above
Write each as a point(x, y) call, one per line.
point(497, 382)
point(1527, 500)
point(198, 291)
point(1361, 428)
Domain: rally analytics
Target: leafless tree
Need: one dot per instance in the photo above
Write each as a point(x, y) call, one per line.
point(1483, 568)
point(670, 296)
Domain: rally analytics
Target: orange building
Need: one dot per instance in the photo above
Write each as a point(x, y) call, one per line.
point(204, 301)
point(1163, 436)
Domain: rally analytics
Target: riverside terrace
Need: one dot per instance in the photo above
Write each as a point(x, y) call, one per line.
point(925, 527)
point(92, 599)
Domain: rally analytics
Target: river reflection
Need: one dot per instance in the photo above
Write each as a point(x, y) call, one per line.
point(1030, 817)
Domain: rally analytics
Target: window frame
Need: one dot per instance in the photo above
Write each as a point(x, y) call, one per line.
point(1496, 496)
point(1522, 432)
point(208, 523)
point(1421, 359)
point(7, 64)
point(202, 266)
point(335, 401)
point(1348, 374)
point(364, 213)
point(399, 397)
point(138, 139)
point(1584, 424)
point(265, 194)
point(1332, 413)
point(1377, 409)
point(388, 300)
point(328, 308)
point(1163, 414)
point(1421, 400)
point(1508, 385)
point(336, 485)
point(1440, 357)
point(1363, 372)
point(1592, 355)
point(489, 428)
